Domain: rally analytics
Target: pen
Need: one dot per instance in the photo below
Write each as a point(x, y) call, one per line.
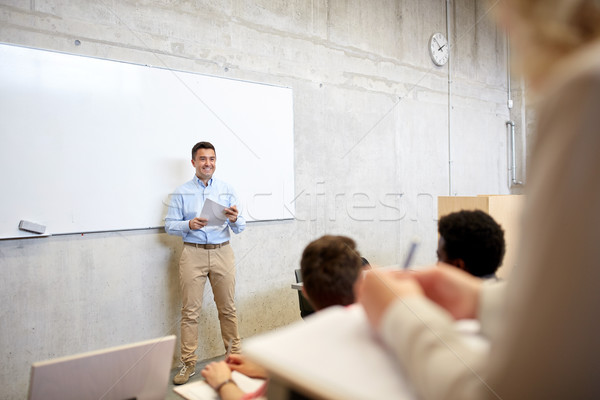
point(411, 253)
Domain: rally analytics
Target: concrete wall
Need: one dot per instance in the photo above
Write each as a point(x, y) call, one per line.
point(372, 155)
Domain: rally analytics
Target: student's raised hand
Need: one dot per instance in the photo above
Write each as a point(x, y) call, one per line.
point(379, 289)
point(216, 373)
point(451, 288)
point(239, 363)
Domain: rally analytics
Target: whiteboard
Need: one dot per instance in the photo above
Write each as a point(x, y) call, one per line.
point(92, 145)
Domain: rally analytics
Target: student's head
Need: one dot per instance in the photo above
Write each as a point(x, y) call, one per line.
point(330, 266)
point(204, 160)
point(471, 241)
point(544, 31)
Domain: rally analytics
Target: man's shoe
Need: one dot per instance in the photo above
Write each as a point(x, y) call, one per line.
point(183, 376)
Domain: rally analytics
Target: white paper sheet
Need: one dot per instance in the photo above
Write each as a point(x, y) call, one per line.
point(334, 354)
point(213, 212)
point(200, 390)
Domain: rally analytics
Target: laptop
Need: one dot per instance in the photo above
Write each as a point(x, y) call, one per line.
point(134, 371)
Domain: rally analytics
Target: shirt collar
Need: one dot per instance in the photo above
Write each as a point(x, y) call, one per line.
point(199, 182)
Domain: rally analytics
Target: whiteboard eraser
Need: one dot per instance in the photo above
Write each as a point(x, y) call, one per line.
point(31, 227)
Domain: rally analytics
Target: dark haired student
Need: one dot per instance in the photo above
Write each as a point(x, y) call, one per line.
point(471, 241)
point(206, 254)
point(330, 266)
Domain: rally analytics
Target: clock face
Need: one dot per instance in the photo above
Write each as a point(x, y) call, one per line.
point(438, 49)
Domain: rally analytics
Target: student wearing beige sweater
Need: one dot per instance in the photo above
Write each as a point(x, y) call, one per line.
point(543, 324)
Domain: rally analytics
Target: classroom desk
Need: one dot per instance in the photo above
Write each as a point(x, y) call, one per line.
point(334, 354)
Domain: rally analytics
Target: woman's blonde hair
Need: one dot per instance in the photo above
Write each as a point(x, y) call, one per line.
point(557, 27)
point(566, 24)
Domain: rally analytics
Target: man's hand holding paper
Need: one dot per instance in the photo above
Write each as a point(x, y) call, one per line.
point(198, 223)
point(232, 213)
point(215, 214)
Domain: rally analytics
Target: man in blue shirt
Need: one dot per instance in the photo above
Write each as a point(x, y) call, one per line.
point(206, 253)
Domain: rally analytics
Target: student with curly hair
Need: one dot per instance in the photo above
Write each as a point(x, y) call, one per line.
point(471, 241)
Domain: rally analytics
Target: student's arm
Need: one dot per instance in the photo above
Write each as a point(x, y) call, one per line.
point(421, 333)
point(491, 308)
point(241, 364)
point(231, 391)
point(218, 376)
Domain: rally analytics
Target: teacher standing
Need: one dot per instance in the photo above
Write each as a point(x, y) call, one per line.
point(206, 253)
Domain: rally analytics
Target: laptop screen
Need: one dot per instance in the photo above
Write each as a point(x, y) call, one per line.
point(133, 371)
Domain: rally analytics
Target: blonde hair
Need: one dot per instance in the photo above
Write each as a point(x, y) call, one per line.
point(558, 27)
point(564, 23)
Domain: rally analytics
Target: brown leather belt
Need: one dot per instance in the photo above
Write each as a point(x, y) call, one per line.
point(207, 246)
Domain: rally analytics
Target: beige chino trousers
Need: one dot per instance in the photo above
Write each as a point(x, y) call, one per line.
point(195, 265)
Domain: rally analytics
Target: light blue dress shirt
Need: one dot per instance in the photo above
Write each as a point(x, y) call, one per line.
point(186, 204)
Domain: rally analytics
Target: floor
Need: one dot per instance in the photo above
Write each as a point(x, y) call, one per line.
point(171, 395)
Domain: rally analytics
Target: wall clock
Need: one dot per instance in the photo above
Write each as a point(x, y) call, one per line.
point(438, 49)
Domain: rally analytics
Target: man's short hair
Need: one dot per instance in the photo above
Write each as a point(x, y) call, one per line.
point(330, 266)
point(474, 237)
point(202, 145)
